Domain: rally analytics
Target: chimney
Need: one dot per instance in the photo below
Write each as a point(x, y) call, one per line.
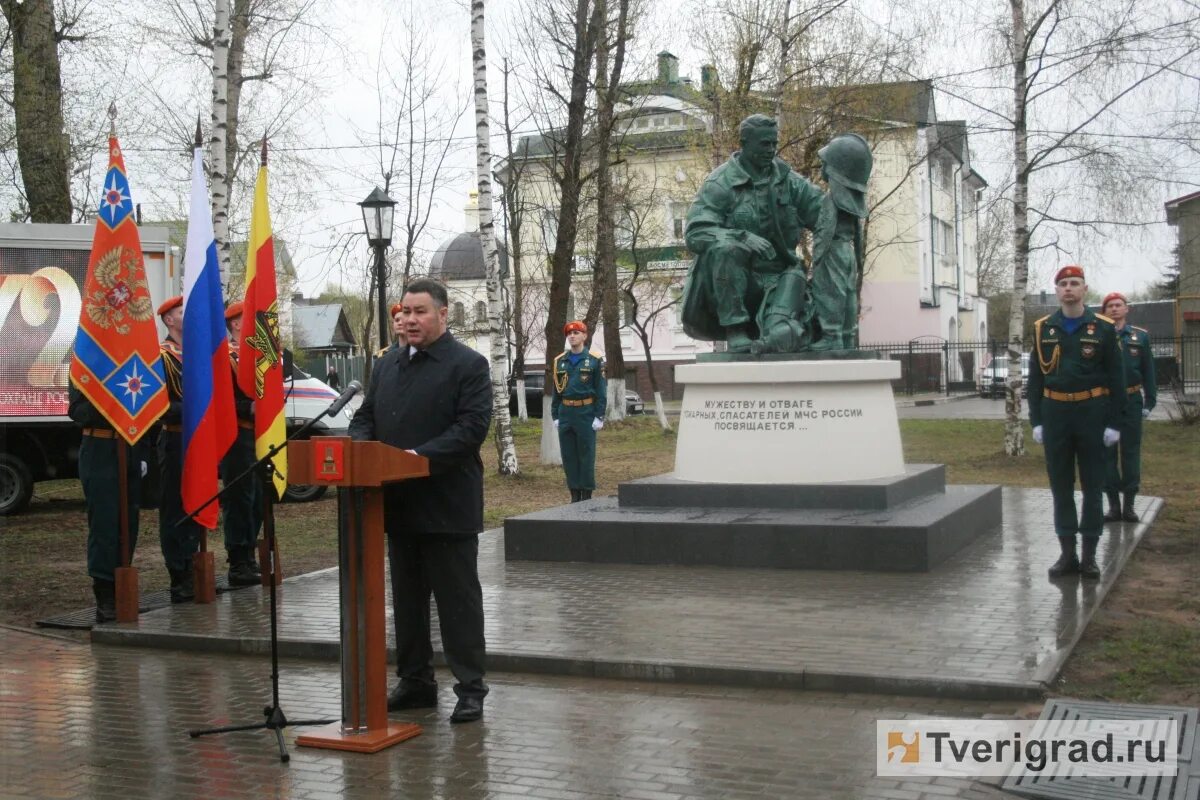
point(668, 68)
point(708, 79)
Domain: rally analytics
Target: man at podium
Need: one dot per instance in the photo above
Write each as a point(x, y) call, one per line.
point(433, 397)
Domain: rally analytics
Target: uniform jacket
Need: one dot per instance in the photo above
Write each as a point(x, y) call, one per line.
point(1139, 361)
point(1087, 359)
point(579, 381)
point(439, 404)
point(172, 358)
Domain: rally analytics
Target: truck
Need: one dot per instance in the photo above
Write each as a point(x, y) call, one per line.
point(42, 270)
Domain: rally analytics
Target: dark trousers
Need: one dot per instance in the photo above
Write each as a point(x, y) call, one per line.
point(1073, 436)
point(101, 489)
point(178, 542)
point(577, 441)
point(444, 567)
point(243, 503)
point(1124, 462)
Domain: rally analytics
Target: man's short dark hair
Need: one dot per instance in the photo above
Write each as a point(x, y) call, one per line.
point(756, 122)
point(430, 287)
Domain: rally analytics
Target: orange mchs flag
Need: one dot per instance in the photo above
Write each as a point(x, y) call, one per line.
point(260, 365)
point(115, 362)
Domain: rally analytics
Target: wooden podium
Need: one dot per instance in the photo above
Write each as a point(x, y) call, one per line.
point(359, 470)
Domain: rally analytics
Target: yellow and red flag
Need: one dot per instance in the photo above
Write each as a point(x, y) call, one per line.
point(260, 364)
point(115, 361)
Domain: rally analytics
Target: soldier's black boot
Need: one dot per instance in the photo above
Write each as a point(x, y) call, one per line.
point(575, 496)
point(585, 494)
point(106, 600)
point(183, 587)
point(1114, 507)
point(240, 572)
point(1088, 567)
point(1067, 563)
point(1128, 514)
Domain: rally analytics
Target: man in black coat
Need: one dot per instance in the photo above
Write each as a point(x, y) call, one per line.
point(433, 397)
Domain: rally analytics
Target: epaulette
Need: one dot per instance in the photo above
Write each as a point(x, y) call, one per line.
point(381, 352)
point(1043, 319)
point(1109, 320)
point(560, 355)
point(1136, 328)
point(597, 354)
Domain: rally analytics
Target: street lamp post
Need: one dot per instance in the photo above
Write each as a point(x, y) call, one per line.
point(377, 211)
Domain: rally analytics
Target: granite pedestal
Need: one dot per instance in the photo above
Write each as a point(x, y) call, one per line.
point(907, 523)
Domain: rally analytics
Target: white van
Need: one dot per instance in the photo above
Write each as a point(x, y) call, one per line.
point(307, 397)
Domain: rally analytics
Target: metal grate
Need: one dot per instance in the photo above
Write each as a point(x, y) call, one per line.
point(85, 618)
point(1185, 785)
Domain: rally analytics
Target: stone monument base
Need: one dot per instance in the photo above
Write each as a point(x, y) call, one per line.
point(905, 523)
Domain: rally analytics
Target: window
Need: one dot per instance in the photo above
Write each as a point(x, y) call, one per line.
point(458, 316)
point(677, 219)
point(480, 311)
point(549, 229)
point(628, 310)
point(643, 122)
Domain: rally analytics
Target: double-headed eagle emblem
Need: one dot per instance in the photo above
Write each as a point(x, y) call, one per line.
point(116, 298)
point(265, 344)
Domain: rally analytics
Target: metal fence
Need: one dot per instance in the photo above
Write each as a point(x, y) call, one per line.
point(349, 368)
point(930, 365)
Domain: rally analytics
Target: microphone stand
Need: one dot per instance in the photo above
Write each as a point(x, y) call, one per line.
point(275, 721)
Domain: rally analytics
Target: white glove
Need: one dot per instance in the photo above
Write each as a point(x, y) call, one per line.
point(1111, 437)
point(1145, 413)
point(145, 469)
point(597, 424)
point(1037, 434)
point(558, 424)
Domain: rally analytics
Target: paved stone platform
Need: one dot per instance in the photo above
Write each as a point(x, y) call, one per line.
point(988, 623)
point(109, 723)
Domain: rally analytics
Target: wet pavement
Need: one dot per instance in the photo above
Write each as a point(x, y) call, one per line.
point(987, 623)
point(95, 721)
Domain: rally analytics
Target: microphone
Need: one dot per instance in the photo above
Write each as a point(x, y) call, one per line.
point(353, 388)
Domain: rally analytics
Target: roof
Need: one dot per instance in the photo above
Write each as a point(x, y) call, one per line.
point(322, 326)
point(461, 258)
point(909, 102)
point(237, 250)
point(1173, 206)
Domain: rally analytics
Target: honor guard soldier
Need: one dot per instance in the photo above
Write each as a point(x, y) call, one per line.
point(243, 503)
point(1076, 402)
point(577, 408)
point(397, 330)
point(100, 476)
point(1124, 472)
point(179, 542)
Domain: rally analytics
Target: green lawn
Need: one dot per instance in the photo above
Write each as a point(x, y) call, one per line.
point(1143, 646)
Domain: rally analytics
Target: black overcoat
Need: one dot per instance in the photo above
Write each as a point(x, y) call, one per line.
point(439, 404)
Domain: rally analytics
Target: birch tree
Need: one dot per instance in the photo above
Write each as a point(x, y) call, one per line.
point(506, 449)
point(218, 168)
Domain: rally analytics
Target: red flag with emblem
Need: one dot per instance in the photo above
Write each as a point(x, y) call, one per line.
point(115, 361)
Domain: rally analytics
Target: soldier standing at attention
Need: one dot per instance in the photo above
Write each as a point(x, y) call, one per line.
point(243, 503)
point(397, 330)
point(178, 542)
point(1076, 401)
point(578, 409)
point(1124, 472)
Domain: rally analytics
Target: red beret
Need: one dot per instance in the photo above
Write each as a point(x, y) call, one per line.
point(577, 325)
point(234, 310)
point(1069, 271)
point(395, 309)
point(1108, 298)
point(170, 303)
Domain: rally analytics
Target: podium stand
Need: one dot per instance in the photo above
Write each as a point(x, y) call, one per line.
point(359, 470)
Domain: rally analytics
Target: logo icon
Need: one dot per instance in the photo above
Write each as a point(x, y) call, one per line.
point(903, 748)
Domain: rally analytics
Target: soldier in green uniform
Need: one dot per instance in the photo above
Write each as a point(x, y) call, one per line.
point(243, 503)
point(178, 542)
point(577, 409)
point(1076, 401)
point(100, 476)
point(397, 330)
point(1125, 460)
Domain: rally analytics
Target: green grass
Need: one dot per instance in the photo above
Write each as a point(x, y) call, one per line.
point(1143, 645)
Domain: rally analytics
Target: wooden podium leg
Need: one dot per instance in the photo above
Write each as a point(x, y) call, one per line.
point(204, 576)
point(364, 727)
point(127, 594)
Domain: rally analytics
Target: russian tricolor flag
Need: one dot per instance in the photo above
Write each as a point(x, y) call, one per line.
point(209, 419)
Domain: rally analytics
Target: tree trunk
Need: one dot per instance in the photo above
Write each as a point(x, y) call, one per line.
point(506, 448)
point(513, 222)
point(239, 29)
point(42, 147)
point(781, 75)
point(561, 263)
point(218, 166)
point(1014, 432)
point(659, 411)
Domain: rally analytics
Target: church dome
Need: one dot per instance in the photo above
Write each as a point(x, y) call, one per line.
point(460, 258)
